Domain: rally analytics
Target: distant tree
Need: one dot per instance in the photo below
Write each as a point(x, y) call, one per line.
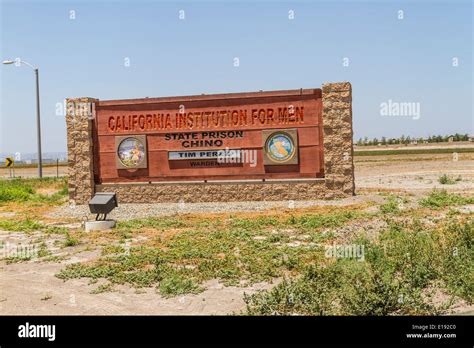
point(403, 139)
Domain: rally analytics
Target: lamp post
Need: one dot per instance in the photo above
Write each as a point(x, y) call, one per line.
point(38, 119)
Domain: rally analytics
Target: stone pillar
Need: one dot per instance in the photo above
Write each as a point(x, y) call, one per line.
point(79, 117)
point(337, 139)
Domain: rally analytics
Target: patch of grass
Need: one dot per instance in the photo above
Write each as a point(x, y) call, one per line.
point(155, 222)
point(125, 229)
point(391, 206)
point(441, 198)
point(14, 192)
point(229, 253)
point(54, 258)
point(234, 250)
point(43, 250)
point(29, 225)
point(54, 230)
point(458, 260)
point(71, 241)
point(26, 225)
point(308, 222)
point(318, 237)
point(399, 267)
point(178, 284)
point(113, 249)
point(17, 258)
point(78, 270)
point(21, 190)
point(103, 288)
point(254, 223)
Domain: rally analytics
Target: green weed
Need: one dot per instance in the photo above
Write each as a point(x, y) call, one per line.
point(391, 206)
point(441, 198)
point(21, 190)
point(398, 268)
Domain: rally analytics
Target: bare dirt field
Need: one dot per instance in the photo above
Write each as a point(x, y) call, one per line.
point(413, 173)
point(31, 286)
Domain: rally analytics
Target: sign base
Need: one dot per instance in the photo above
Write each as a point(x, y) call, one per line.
point(99, 225)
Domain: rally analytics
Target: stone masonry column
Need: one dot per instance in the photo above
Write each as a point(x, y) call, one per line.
point(337, 139)
point(79, 118)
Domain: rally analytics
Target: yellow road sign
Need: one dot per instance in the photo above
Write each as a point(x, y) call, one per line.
point(9, 162)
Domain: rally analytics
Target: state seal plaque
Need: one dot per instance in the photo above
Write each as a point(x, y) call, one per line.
point(280, 147)
point(131, 152)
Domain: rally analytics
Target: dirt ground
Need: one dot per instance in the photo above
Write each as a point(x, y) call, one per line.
point(32, 288)
point(413, 173)
point(32, 172)
point(35, 291)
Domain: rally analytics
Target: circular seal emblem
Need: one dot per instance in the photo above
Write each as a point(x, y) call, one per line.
point(131, 152)
point(280, 147)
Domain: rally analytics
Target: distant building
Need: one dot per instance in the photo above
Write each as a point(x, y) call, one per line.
point(471, 137)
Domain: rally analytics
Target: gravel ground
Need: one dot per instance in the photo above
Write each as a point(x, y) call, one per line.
point(129, 211)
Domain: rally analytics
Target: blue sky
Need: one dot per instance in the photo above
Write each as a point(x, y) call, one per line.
point(403, 60)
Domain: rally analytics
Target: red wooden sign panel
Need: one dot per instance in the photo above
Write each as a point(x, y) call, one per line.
point(183, 126)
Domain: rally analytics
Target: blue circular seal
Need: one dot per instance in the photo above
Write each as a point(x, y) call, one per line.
point(280, 147)
point(131, 152)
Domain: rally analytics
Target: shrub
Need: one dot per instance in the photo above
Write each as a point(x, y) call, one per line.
point(446, 180)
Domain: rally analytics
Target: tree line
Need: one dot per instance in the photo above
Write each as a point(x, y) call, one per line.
point(409, 140)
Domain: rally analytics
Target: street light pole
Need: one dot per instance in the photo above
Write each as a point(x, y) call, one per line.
point(38, 126)
point(38, 119)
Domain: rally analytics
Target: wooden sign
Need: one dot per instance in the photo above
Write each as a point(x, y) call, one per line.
point(240, 136)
